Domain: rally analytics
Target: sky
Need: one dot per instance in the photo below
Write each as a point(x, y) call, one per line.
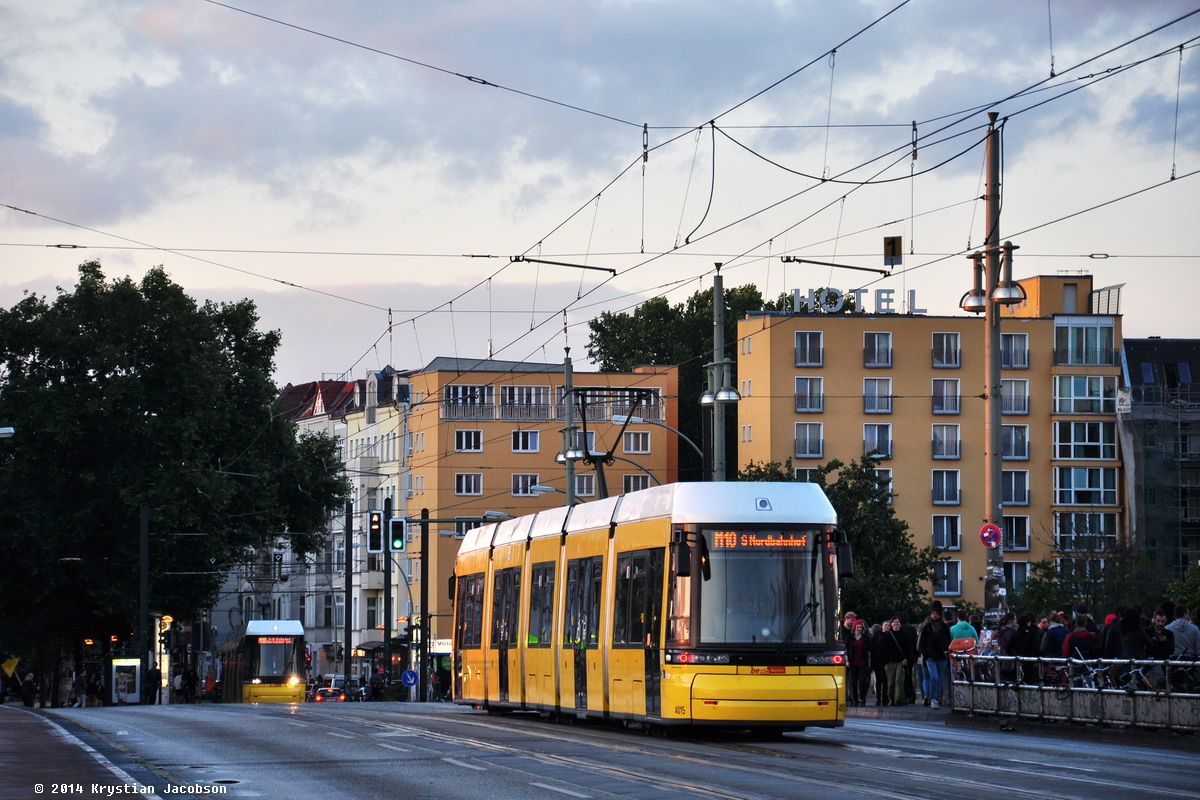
point(366, 172)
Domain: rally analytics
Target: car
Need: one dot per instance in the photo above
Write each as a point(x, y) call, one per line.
point(329, 694)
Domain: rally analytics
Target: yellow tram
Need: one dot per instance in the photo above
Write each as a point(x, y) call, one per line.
point(265, 664)
point(691, 604)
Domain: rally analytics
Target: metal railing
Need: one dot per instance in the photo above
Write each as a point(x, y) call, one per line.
point(1118, 692)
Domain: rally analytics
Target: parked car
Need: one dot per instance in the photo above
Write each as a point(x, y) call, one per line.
point(329, 694)
point(334, 688)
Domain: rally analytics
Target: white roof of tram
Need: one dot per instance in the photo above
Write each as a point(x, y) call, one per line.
point(732, 503)
point(274, 627)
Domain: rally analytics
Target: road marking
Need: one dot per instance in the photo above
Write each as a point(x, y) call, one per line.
point(339, 735)
point(298, 724)
point(394, 747)
point(1053, 766)
point(560, 790)
point(465, 764)
point(396, 733)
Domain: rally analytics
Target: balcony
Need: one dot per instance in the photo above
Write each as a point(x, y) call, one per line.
point(947, 404)
point(947, 449)
point(877, 358)
point(537, 412)
point(877, 404)
point(1071, 357)
point(1014, 404)
point(652, 413)
point(810, 403)
point(810, 357)
point(810, 448)
point(461, 411)
point(943, 359)
point(1013, 358)
point(1015, 450)
point(947, 497)
point(880, 449)
point(596, 412)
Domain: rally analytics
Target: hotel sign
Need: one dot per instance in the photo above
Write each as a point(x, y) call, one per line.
point(832, 301)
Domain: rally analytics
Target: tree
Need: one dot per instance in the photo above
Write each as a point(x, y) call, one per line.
point(122, 394)
point(889, 569)
point(1102, 581)
point(1187, 590)
point(662, 334)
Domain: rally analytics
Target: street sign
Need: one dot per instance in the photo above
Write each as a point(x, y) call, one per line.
point(893, 251)
point(409, 677)
point(990, 536)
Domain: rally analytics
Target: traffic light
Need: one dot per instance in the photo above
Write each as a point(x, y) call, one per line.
point(375, 532)
point(397, 535)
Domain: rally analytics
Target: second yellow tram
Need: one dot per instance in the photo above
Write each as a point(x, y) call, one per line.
point(696, 604)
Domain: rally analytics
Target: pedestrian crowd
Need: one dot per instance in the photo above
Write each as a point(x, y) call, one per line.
point(898, 662)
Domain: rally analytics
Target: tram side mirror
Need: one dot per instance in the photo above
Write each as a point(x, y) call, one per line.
point(845, 557)
point(682, 553)
point(451, 583)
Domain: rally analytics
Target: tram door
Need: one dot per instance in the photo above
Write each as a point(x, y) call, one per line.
point(635, 658)
point(505, 612)
point(582, 630)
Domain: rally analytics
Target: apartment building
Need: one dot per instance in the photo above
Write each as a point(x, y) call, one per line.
point(910, 387)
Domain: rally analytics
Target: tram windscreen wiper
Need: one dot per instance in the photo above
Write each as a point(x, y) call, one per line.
point(798, 624)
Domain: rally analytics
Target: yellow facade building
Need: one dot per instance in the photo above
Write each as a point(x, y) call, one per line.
point(818, 386)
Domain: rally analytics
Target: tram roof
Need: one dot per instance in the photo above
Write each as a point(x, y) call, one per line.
point(276, 627)
point(732, 503)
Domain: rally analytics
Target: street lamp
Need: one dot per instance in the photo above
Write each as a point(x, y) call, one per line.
point(6, 433)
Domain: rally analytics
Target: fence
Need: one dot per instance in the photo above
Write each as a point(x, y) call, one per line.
point(1144, 694)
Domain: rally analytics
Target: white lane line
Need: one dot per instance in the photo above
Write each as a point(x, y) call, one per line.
point(1053, 766)
point(396, 733)
point(559, 790)
point(394, 747)
point(298, 724)
point(339, 735)
point(464, 764)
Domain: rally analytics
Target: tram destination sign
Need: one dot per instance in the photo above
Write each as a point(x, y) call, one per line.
point(274, 639)
point(742, 540)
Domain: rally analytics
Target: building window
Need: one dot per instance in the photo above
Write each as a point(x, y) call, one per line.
point(946, 443)
point(809, 352)
point(885, 482)
point(946, 351)
point(1085, 440)
point(1014, 396)
point(946, 532)
point(805, 474)
point(1083, 340)
point(877, 395)
point(466, 441)
point(585, 484)
point(466, 525)
point(1015, 575)
point(1084, 532)
point(1016, 533)
point(637, 442)
point(947, 578)
point(946, 398)
point(945, 488)
point(1085, 394)
point(469, 402)
point(747, 433)
point(1014, 351)
point(1014, 487)
point(372, 613)
point(525, 441)
point(523, 483)
point(877, 349)
point(877, 439)
point(468, 483)
point(1014, 442)
point(810, 395)
point(1085, 486)
point(634, 483)
point(327, 611)
point(748, 387)
point(809, 443)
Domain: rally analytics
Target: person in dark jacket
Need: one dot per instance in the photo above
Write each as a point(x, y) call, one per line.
point(895, 658)
point(858, 658)
point(1024, 643)
point(878, 665)
point(1134, 639)
point(934, 647)
point(1162, 639)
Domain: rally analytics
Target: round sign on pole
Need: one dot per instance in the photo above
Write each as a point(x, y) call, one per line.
point(409, 677)
point(990, 535)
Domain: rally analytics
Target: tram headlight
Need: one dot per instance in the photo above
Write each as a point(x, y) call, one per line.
point(293, 681)
point(256, 680)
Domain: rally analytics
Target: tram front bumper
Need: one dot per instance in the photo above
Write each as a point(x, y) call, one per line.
point(778, 698)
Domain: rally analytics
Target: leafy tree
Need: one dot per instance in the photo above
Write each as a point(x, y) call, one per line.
point(121, 394)
point(888, 568)
point(1187, 590)
point(662, 334)
point(1127, 578)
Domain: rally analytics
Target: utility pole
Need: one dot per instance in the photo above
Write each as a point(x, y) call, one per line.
point(569, 432)
point(426, 628)
point(718, 374)
point(349, 534)
point(387, 598)
point(995, 601)
point(144, 592)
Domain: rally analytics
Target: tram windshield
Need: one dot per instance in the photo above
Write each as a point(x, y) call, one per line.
point(762, 587)
point(276, 657)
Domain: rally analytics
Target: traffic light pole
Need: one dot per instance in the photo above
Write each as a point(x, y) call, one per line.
point(426, 617)
point(349, 533)
point(387, 597)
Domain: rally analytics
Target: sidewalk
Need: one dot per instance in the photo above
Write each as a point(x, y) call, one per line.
point(1078, 731)
point(37, 752)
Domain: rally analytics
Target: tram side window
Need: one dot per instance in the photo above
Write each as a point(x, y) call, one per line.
point(506, 594)
point(583, 602)
point(679, 618)
point(541, 604)
point(638, 602)
point(469, 624)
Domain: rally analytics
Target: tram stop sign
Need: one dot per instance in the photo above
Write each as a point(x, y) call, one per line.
point(990, 535)
point(409, 677)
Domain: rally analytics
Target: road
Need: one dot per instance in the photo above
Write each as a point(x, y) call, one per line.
point(433, 751)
